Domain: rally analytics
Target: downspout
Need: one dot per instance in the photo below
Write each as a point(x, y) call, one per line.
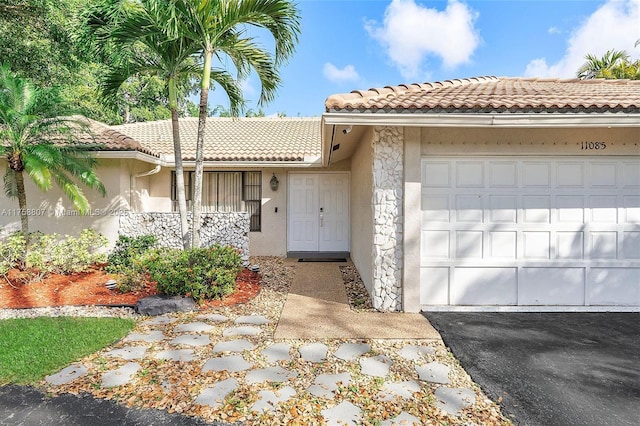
point(153, 171)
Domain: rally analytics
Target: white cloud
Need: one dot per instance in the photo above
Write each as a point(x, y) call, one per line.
point(411, 32)
point(554, 30)
point(337, 75)
point(615, 25)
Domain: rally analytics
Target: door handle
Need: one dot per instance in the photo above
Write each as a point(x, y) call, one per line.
point(321, 220)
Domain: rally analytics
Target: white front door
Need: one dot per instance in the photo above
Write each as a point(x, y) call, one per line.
point(318, 212)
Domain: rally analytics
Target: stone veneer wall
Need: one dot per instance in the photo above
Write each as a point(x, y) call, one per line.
point(223, 228)
point(388, 173)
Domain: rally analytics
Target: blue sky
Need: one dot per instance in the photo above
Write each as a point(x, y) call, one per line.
point(357, 44)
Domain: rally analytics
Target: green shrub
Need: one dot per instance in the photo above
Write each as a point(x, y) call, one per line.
point(202, 273)
point(11, 252)
point(126, 261)
point(47, 253)
point(78, 254)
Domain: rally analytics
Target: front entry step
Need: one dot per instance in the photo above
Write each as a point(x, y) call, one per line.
point(314, 256)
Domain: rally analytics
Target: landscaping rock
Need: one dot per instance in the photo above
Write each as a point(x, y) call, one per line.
point(159, 305)
point(67, 375)
point(452, 400)
point(269, 399)
point(214, 396)
point(344, 413)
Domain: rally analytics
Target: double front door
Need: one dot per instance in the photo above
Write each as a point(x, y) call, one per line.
point(318, 212)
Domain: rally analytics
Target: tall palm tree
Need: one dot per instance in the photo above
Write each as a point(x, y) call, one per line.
point(614, 64)
point(147, 31)
point(220, 28)
point(38, 142)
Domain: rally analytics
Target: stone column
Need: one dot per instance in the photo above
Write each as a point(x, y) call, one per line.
point(388, 151)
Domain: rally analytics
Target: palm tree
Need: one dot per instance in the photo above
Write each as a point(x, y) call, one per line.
point(614, 64)
point(146, 29)
point(219, 27)
point(45, 146)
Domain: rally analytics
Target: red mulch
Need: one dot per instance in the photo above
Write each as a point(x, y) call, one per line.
point(88, 288)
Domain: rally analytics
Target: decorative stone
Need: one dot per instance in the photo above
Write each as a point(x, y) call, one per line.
point(252, 319)
point(434, 372)
point(67, 374)
point(350, 351)
point(214, 396)
point(267, 400)
point(232, 364)
point(452, 400)
point(234, 346)
point(120, 376)
point(277, 352)
point(269, 374)
point(315, 352)
point(246, 330)
point(344, 413)
point(128, 353)
point(191, 340)
point(158, 305)
point(159, 320)
point(414, 353)
point(404, 390)
point(375, 366)
point(193, 327)
point(325, 385)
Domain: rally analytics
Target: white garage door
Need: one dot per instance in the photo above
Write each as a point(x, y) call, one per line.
point(518, 231)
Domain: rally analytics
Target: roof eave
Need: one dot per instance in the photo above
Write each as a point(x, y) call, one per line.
point(510, 120)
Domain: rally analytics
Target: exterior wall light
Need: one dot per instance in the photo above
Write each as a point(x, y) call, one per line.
point(274, 182)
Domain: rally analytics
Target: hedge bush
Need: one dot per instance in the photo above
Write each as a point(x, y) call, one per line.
point(201, 273)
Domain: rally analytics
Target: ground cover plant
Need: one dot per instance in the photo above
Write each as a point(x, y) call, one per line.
point(32, 348)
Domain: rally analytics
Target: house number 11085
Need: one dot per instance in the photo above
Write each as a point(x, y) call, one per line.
point(593, 145)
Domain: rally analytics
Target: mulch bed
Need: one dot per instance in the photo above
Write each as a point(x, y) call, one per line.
point(17, 291)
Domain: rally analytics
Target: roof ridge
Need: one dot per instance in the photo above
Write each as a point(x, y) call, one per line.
point(362, 95)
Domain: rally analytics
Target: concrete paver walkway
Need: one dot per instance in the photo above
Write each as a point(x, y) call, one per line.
point(317, 308)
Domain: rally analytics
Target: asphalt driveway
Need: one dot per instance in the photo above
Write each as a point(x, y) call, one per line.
point(551, 368)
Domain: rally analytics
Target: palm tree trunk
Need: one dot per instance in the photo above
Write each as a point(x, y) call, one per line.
point(202, 122)
point(177, 150)
point(22, 204)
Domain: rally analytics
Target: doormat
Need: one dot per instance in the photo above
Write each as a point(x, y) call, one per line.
point(322, 260)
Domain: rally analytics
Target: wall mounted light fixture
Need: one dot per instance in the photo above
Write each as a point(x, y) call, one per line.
point(347, 130)
point(274, 182)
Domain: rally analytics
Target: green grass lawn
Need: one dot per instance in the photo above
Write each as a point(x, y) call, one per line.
point(32, 348)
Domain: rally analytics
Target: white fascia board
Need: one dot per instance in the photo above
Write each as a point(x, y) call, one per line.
point(168, 161)
point(506, 120)
point(131, 155)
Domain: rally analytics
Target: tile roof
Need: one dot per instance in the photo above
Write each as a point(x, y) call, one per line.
point(107, 139)
point(493, 94)
point(233, 139)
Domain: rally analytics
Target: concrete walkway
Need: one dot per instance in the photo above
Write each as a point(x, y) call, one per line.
point(317, 308)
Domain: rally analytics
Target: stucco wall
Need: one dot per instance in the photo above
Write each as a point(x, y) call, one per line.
point(362, 210)
point(52, 212)
point(529, 141)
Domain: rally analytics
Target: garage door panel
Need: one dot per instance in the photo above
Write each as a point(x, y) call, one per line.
point(470, 174)
point(484, 286)
point(435, 208)
point(503, 174)
point(603, 175)
point(503, 208)
point(469, 208)
point(503, 244)
point(604, 245)
point(631, 245)
point(434, 286)
point(552, 286)
point(631, 205)
point(614, 286)
point(570, 175)
point(570, 245)
point(538, 231)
